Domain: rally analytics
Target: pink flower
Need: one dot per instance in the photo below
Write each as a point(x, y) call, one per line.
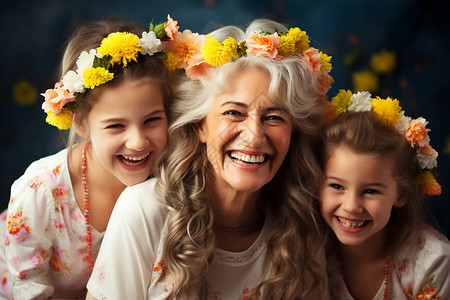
point(56, 98)
point(312, 57)
point(171, 27)
point(187, 48)
point(263, 45)
point(198, 70)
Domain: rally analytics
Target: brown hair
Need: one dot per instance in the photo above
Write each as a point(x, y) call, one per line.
point(360, 132)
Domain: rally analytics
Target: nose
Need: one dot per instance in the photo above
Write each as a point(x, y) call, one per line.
point(352, 203)
point(136, 139)
point(253, 132)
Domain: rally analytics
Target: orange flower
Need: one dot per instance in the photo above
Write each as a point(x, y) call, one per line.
point(416, 134)
point(428, 184)
point(263, 45)
point(313, 58)
point(171, 28)
point(198, 70)
point(56, 98)
point(187, 48)
point(427, 150)
point(324, 83)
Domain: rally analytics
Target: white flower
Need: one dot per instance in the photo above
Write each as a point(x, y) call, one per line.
point(423, 121)
point(403, 122)
point(426, 162)
point(150, 43)
point(86, 60)
point(73, 82)
point(360, 102)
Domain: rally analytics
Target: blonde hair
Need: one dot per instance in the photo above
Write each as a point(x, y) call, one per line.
point(89, 36)
point(185, 178)
point(360, 132)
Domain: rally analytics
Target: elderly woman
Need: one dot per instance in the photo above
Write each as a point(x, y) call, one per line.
point(232, 213)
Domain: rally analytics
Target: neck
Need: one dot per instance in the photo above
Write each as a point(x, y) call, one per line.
point(372, 249)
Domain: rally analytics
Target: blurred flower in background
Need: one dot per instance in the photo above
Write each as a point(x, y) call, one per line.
point(24, 93)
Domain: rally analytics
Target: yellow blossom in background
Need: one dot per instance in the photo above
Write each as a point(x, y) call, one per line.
point(122, 46)
point(301, 39)
point(387, 111)
point(365, 81)
point(383, 62)
point(325, 64)
point(428, 183)
point(342, 101)
point(216, 53)
point(171, 61)
point(286, 47)
point(96, 76)
point(24, 93)
point(62, 120)
point(446, 149)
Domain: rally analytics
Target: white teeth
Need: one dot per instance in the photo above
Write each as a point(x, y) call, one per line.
point(350, 224)
point(133, 160)
point(254, 159)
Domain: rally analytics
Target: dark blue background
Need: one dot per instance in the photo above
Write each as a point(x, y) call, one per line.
point(33, 34)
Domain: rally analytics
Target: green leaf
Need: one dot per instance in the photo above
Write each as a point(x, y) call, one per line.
point(159, 31)
point(160, 55)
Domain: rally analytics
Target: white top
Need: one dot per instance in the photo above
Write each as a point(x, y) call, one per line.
point(129, 263)
point(423, 273)
point(44, 247)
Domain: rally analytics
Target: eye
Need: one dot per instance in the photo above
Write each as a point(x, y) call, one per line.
point(232, 112)
point(112, 126)
point(336, 186)
point(275, 118)
point(371, 191)
point(154, 119)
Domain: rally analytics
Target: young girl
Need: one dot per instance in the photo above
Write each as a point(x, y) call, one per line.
point(115, 91)
point(373, 158)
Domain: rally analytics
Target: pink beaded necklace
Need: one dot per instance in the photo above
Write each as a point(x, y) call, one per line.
point(86, 205)
point(386, 271)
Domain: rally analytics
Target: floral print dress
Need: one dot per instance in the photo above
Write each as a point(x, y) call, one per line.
point(44, 249)
point(423, 273)
point(129, 265)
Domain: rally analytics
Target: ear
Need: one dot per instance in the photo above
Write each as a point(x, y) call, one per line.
point(400, 202)
point(201, 131)
point(81, 128)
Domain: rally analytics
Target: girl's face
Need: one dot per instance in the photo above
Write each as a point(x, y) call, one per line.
point(246, 134)
point(128, 129)
point(357, 196)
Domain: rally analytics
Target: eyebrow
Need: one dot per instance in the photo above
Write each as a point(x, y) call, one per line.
point(112, 120)
point(243, 105)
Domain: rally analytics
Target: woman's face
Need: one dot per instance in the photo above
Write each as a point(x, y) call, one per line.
point(246, 134)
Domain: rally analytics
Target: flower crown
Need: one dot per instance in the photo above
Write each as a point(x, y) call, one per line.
point(93, 69)
point(198, 54)
point(389, 114)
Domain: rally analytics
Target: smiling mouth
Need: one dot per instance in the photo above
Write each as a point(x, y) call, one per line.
point(246, 159)
point(348, 223)
point(133, 160)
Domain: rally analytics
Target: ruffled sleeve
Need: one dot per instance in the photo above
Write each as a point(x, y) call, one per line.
point(124, 266)
point(29, 234)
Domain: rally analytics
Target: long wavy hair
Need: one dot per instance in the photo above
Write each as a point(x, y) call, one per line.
point(186, 176)
point(360, 132)
point(89, 36)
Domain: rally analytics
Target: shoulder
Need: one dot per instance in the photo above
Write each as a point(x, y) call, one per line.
point(433, 244)
point(142, 202)
point(42, 178)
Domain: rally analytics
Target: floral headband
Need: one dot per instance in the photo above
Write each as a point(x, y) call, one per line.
point(198, 54)
point(389, 114)
point(93, 69)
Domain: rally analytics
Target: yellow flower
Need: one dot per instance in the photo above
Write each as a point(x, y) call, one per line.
point(171, 61)
point(24, 93)
point(447, 145)
point(122, 46)
point(325, 64)
point(342, 101)
point(96, 76)
point(365, 81)
point(428, 183)
point(301, 39)
point(216, 53)
point(383, 62)
point(387, 111)
point(286, 47)
point(62, 120)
